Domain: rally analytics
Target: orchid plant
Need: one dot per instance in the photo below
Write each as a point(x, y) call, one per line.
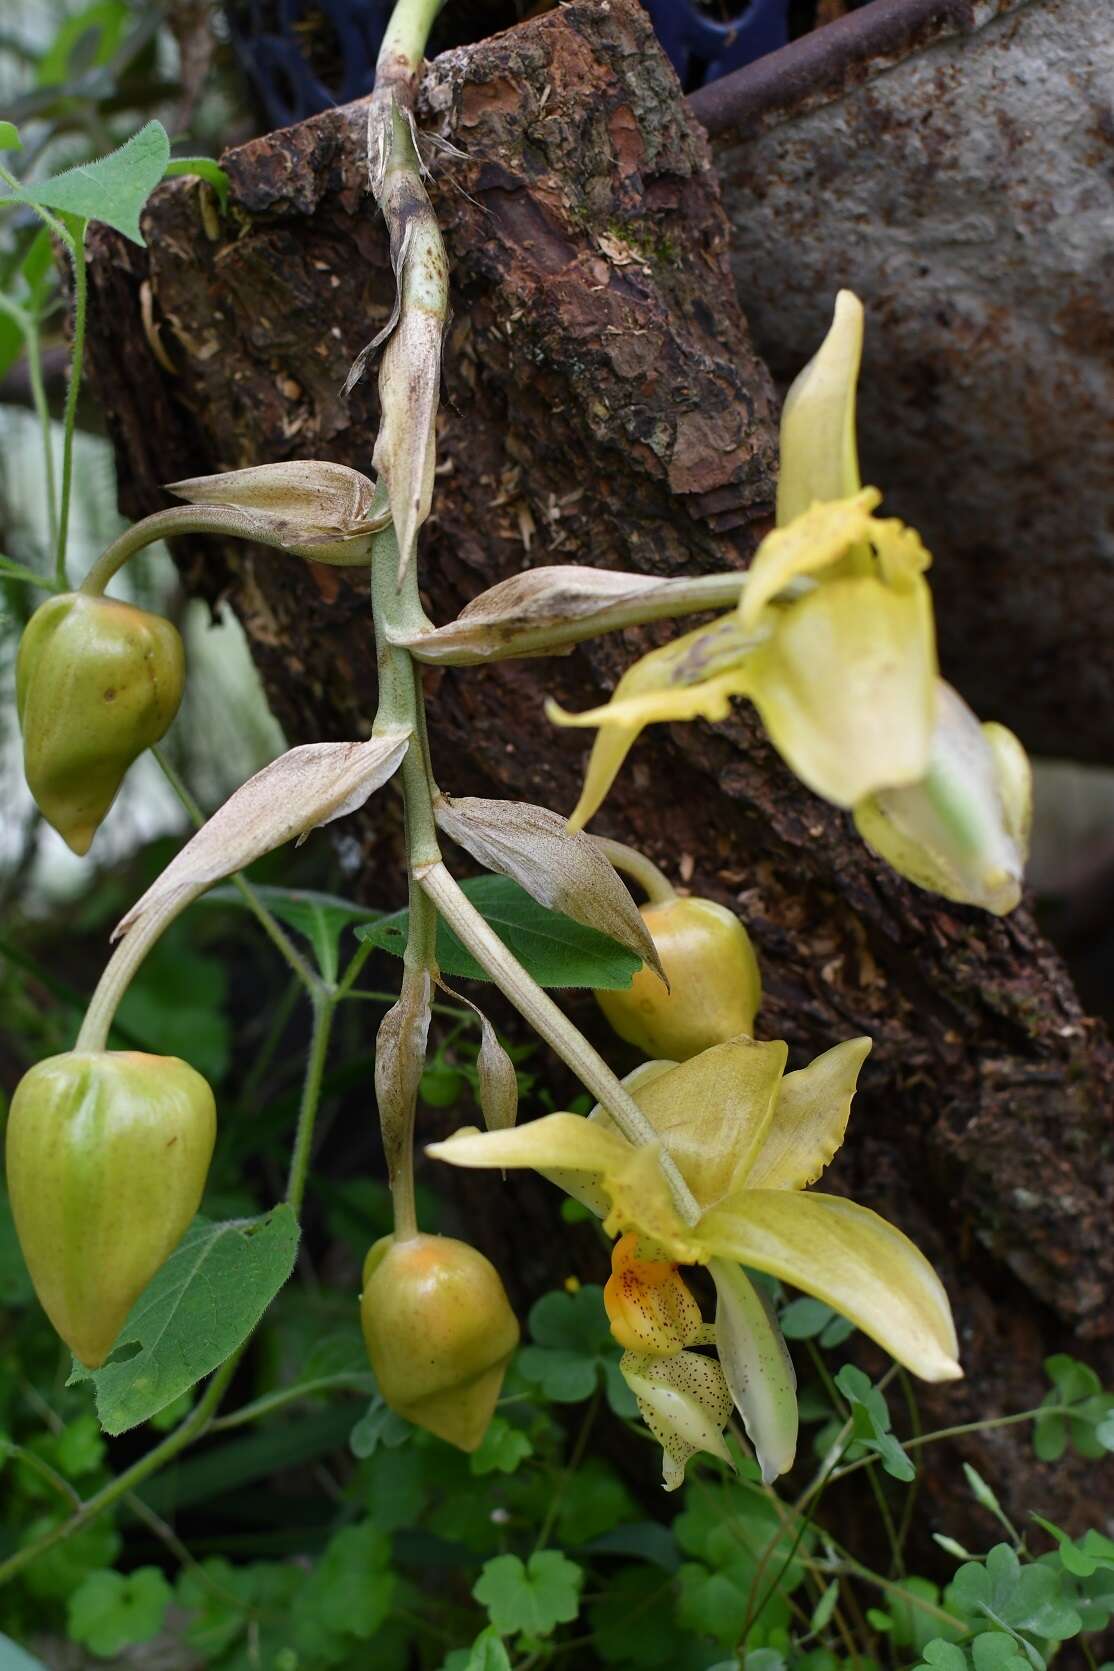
point(701, 1162)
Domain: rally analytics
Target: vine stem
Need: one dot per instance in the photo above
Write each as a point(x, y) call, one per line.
point(654, 883)
point(324, 1009)
point(228, 520)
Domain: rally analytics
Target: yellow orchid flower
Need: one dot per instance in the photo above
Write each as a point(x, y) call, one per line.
point(833, 639)
point(748, 1139)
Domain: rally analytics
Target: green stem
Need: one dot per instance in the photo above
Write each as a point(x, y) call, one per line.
point(227, 520)
point(115, 979)
point(957, 1432)
point(188, 1430)
point(400, 56)
point(29, 328)
point(324, 1009)
point(550, 1021)
point(270, 1402)
point(654, 883)
point(73, 388)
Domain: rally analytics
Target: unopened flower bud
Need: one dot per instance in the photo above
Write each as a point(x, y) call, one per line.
point(307, 506)
point(962, 831)
point(714, 983)
point(97, 682)
point(439, 1332)
point(107, 1154)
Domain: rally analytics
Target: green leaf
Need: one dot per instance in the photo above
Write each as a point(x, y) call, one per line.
point(574, 1347)
point(195, 1311)
point(82, 42)
point(56, 1573)
point(1003, 1592)
point(113, 189)
point(378, 1426)
point(535, 1598)
point(995, 1651)
point(632, 1622)
point(551, 947)
point(870, 1417)
point(9, 137)
point(1092, 1553)
point(914, 1627)
point(501, 1449)
point(712, 1604)
point(825, 1607)
point(321, 917)
point(1076, 1385)
point(943, 1656)
point(349, 1591)
point(594, 1501)
point(487, 1653)
point(108, 1611)
point(215, 1597)
point(206, 169)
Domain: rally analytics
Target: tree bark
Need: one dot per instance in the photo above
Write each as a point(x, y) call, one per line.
point(604, 405)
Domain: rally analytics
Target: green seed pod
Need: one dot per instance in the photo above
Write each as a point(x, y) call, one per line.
point(97, 682)
point(439, 1332)
point(107, 1154)
point(714, 984)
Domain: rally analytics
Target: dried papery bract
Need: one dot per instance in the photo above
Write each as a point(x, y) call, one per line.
point(300, 791)
point(498, 1087)
point(562, 870)
point(307, 506)
point(410, 369)
point(400, 1052)
point(545, 610)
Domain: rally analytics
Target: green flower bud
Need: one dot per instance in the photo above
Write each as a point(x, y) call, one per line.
point(439, 1332)
point(714, 984)
point(97, 682)
point(107, 1154)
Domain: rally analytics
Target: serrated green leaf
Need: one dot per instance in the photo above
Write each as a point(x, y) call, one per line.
point(108, 1611)
point(552, 948)
point(574, 1347)
point(349, 1591)
point(321, 917)
point(711, 1604)
point(9, 137)
point(487, 1653)
point(113, 189)
point(378, 1426)
point(534, 1598)
point(195, 1311)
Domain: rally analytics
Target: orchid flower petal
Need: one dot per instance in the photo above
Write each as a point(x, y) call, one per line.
point(713, 1112)
point(655, 688)
point(648, 1302)
point(757, 1367)
point(685, 1402)
point(813, 1107)
point(822, 534)
point(556, 1140)
point(847, 687)
point(819, 459)
point(851, 1259)
point(582, 1186)
point(955, 832)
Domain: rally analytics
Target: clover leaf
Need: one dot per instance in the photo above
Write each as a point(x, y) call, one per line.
point(1016, 1598)
point(870, 1419)
point(574, 1347)
point(1089, 1428)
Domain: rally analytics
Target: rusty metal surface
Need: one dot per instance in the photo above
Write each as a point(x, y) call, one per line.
point(954, 164)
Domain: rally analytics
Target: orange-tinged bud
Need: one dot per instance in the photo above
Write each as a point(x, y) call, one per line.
point(97, 682)
point(439, 1332)
point(107, 1154)
point(714, 984)
point(647, 1302)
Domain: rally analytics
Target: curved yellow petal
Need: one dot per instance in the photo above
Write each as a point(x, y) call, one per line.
point(814, 540)
point(714, 1110)
point(847, 687)
point(810, 1118)
point(648, 1303)
point(556, 1140)
point(851, 1259)
point(757, 1368)
point(819, 458)
point(581, 1185)
point(656, 688)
